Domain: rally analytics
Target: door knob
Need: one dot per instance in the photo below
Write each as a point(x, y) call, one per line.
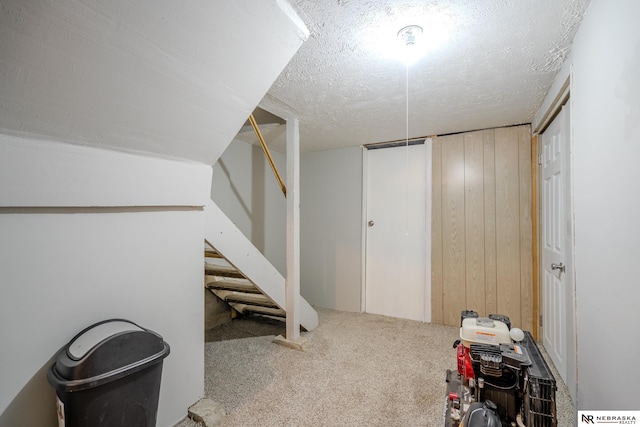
point(558, 267)
point(370, 223)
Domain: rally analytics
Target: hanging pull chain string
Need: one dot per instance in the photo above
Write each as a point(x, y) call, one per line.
point(406, 232)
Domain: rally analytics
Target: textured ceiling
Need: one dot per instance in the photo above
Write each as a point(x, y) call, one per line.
point(492, 69)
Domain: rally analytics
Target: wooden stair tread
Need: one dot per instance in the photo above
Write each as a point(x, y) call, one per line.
point(256, 309)
point(221, 270)
point(245, 298)
point(212, 253)
point(229, 284)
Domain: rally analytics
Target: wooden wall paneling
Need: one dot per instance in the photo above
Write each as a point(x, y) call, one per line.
point(534, 233)
point(526, 221)
point(482, 226)
point(490, 266)
point(436, 233)
point(474, 221)
point(453, 229)
point(508, 223)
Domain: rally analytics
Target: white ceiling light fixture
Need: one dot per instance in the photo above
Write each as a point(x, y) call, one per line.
point(410, 34)
point(415, 29)
point(410, 38)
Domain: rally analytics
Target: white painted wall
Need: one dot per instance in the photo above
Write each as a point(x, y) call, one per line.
point(37, 172)
point(605, 97)
point(86, 253)
point(244, 187)
point(87, 234)
point(330, 210)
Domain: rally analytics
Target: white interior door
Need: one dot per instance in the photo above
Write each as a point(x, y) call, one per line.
point(396, 241)
point(557, 300)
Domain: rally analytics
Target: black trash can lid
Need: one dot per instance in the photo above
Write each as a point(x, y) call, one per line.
point(89, 338)
point(104, 352)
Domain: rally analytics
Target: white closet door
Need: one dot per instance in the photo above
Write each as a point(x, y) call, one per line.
point(395, 283)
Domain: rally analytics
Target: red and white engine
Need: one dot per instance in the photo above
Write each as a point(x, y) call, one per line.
point(502, 378)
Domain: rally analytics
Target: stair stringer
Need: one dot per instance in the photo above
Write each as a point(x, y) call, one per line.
point(234, 246)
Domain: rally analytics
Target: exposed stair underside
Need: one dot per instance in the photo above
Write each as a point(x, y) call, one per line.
point(233, 263)
point(231, 286)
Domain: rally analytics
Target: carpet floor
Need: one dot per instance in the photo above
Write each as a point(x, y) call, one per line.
point(356, 370)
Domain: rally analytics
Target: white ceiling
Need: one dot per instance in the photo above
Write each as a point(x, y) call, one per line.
point(493, 70)
point(179, 78)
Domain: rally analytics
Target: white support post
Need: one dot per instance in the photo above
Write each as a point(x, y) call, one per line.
point(293, 230)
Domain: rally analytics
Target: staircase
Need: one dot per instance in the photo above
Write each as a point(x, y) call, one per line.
point(238, 273)
point(229, 284)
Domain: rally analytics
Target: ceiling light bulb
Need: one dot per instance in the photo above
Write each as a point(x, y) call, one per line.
point(410, 34)
point(410, 38)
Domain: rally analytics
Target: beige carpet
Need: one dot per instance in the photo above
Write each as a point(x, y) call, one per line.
point(356, 370)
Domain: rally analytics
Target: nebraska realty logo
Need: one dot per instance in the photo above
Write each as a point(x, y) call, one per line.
point(608, 417)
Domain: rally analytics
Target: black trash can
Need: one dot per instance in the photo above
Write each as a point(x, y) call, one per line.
point(109, 376)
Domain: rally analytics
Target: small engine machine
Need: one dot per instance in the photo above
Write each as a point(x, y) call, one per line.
point(502, 379)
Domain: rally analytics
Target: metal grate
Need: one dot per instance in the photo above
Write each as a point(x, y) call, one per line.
point(540, 389)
